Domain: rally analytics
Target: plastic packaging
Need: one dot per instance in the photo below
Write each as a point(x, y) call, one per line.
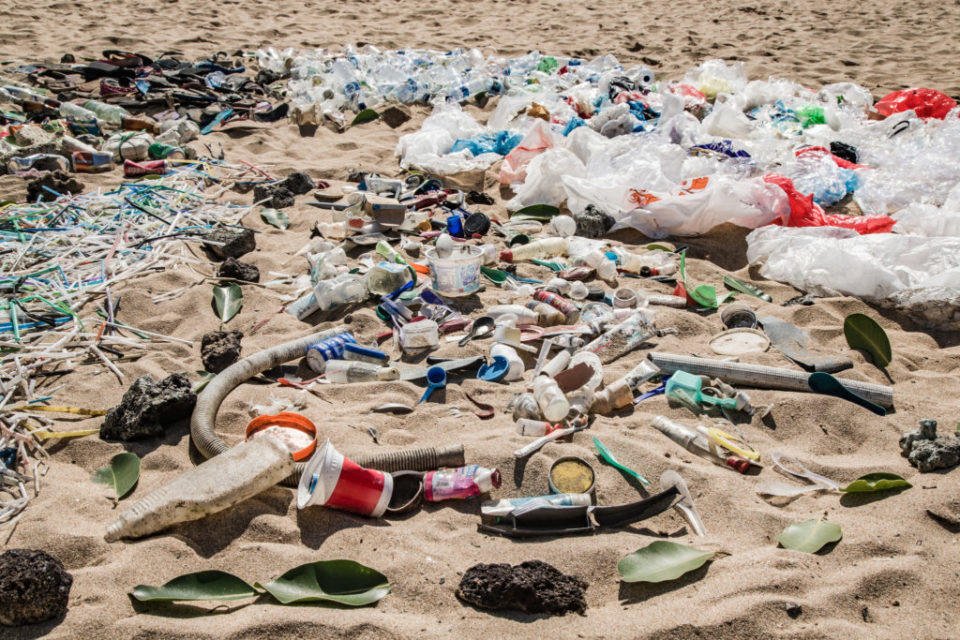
point(615, 396)
point(386, 277)
point(462, 482)
point(524, 405)
point(505, 506)
point(129, 146)
point(547, 316)
point(565, 307)
point(423, 334)
point(110, 113)
point(623, 337)
point(458, 274)
point(553, 404)
point(332, 480)
point(217, 484)
point(347, 288)
point(557, 364)
point(536, 428)
point(523, 314)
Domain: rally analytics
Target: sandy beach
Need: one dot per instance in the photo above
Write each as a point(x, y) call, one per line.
point(893, 575)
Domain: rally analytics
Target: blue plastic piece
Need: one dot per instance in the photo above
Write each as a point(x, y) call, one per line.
point(494, 371)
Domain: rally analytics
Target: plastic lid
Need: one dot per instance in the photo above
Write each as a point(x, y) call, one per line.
point(736, 342)
point(476, 223)
point(494, 371)
point(506, 256)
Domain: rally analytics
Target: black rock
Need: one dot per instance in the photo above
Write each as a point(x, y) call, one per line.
point(149, 407)
point(57, 180)
point(220, 349)
point(593, 223)
point(927, 451)
point(394, 116)
point(533, 586)
point(794, 610)
point(34, 587)
point(299, 183)
point(235, 241)
point(67, 58)
point(478, 197)
point(233, 268)
point(274, 195)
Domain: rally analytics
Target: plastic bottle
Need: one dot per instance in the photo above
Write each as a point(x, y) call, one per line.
point(553, 404)
point(562, 305)
point(73, 110)
point(557, 364)
point(606, 268)
point(488, 254)
point(659, 261)
point(160, 151)
point(178, 132)
point(547, 316)
point(536, 250)
point(462, 482)
point(524, 405)
point(110, 113)
point(615, 396)
point(139, 123)
point(536, 428)
point(516, 363)
point(523, 314)
point(563, 226)
point(345, 371)
point(217, 484)
point(347, 288)
point(329, 349)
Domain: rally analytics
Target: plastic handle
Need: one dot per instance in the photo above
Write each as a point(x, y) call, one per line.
point(540, 442)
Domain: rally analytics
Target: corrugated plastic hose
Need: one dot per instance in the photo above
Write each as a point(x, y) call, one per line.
point(204, 417)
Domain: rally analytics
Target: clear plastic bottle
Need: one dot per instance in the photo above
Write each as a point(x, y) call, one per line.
point(523, 314)
point(346, 288)
point(386, 277)
point(536, 428)
point(536, 250)
point(73, 110)
point(547, 316)
point(553, 404)
point(110, 113)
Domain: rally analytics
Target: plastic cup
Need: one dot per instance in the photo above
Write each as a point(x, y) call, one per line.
point(333, 480)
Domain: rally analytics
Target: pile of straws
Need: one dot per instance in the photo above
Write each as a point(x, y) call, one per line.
point(63, 264)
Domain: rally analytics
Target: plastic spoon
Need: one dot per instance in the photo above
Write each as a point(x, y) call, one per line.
point(826, 384)
point(607, 457)
point(436, 379)
point(482, 327)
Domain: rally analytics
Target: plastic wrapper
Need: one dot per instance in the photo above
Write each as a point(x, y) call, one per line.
point(918, 275)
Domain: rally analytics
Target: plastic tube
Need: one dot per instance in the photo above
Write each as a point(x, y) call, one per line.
point(215, 485)
point(209, 444)
point(757, 375)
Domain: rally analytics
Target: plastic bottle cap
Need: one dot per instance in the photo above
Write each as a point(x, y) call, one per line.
point(494, 371)
point(476, 223)
point(506, 256)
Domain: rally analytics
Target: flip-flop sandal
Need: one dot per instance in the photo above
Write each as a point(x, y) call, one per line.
point(116, 87)
point(126, 58)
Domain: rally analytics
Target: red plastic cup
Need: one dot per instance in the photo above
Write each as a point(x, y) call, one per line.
point(333, 480)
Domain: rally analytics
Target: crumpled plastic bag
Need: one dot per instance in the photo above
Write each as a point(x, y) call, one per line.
point(926, 103)
point(804, 212)
point(543, 183)
point(726, 121)
point(501, 143)
point(429, 148)
point(538, 139)
point(916, 274)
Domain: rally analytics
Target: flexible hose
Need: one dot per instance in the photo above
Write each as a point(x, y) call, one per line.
point(204, 417)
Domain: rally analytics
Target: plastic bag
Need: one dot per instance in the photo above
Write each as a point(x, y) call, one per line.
point(543, 184)
point(429, 148)
point(918, 275)
point(805, 213)
point(538, 139)
point(926, 103)
point(501, 143)
point(726, 121)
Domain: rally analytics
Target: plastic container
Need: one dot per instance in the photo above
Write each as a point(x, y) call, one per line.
point(332, 480)
point(536, 250)
point(556, 364)
point(329, 349)
point(559, 303)
point(571, 474)
point(295, 431)
point(516, 363)
point(615, 396)
point(524, 405)
point(523, 314)
point(553, 404)
point(547, 316)
point(536, 428)
point(423, 334)
point(217, 484)
point(73, 110)
point(387, 277)
point(457, 275)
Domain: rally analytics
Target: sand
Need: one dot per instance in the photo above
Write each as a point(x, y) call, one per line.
point(894, 574)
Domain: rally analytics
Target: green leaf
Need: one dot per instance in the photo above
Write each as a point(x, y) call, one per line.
point(203, 585)
point(541, 212)
point(365, 116)
point(227, 299)
point(277, 218)
point(122, 474)
point(863, 332)
point(342, 581)
point(746, 287)
point(205, 378)
point(660, 561)
point(873, 482)
point(809, 536)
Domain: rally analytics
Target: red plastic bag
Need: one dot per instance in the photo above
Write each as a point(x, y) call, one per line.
point(824, 152)
point(927, 103)
point(805, 213)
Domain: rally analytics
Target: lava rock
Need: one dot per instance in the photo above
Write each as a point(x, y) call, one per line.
point(34, 587)
point(533, 586)
point(149, 407)
point(794, 610)
point(58, 181)
point(593, 222)
point(929, 452)
point(220, 349)
point(233, 268)
point(274, 196)
point(299, 183)
point(235, 242)
point(394, 116)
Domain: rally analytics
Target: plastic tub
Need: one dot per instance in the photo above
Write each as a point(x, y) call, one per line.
point(458, 275)
point(288, 428)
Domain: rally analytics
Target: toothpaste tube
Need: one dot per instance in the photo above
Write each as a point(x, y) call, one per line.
point(506, 506)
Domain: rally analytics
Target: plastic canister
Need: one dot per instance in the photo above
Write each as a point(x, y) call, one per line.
point(458, 274)
point(422, 334)
point(329, 349)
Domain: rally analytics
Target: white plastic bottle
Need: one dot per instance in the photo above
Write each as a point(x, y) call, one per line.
point(535, 428)
point(557, 364)
point(523, 314)
point(516, 363)
point(536, 250)
point(553, 404)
